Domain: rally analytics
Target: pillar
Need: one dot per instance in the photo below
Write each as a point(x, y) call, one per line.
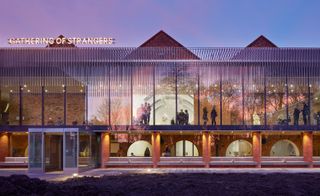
point(4, 146)
point(155, 141)
point(206, 148)
point(105, 148)
point(307, 147)
point(256, 147)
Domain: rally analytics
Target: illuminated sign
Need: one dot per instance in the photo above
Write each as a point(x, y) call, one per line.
point(62, 41)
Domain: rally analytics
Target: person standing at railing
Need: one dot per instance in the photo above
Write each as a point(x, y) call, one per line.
point(305, 113)
point(296, 114)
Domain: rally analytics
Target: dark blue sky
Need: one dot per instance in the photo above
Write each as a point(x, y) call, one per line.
point(287, 23)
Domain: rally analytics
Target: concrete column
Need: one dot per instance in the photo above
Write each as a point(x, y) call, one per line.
point(206, 148)
point(256, 147)
point(307, 146)
point(155, 141)
point(105, 148)
point(4, 146)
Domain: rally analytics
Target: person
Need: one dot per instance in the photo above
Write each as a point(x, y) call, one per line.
point(305, 113)
point(172, 121)
point(132, 154)
point(145, 113)
point(167, 152)
point(147, 152)
point(213, 115)
point(180, 117)
point(205, 116)
point(186, 117)
point(139, 114)
point(148, 112)
point(317, 118)
point(296, 114)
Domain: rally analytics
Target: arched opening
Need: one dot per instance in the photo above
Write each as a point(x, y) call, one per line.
point(140, 149)
point(185, 148)
point(284, 148)
point(239, 148)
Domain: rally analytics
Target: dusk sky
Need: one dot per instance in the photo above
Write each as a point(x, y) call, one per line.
point(198, 23)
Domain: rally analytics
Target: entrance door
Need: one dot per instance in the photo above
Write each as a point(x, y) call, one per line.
point(53, 152)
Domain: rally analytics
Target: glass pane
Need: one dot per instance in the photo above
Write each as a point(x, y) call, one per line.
point(31, 104)
point(187, 94)
point(232, 95)
point(254, 95)
point(9, 104)
point(165, 94)
point(54, 105)
point(209, 95)
point(120, 94)
point(71, 149)
point(142, 94)
point(75, 105)
point(98, 96)
point(35, 149)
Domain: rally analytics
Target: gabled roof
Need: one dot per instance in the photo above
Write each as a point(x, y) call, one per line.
point(65, 45)
point(262, 42)
point(161, 39)
point(161, 46)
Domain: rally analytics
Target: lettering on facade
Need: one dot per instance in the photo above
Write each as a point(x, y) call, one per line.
point(62, 40)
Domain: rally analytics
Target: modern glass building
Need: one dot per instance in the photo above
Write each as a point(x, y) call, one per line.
point(159, 105)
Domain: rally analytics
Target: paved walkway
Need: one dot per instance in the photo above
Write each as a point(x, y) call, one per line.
point(59, 176)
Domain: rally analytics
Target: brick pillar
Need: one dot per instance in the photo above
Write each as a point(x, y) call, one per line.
point(256, 147)
point(307, 145)
point(155, 141)
point(105, 148)
point(206, 148)
point(4, 146)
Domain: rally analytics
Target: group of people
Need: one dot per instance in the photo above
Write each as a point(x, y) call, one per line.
point(143, 114)
point(213, 116)
point(183, 117)
point(305, 114)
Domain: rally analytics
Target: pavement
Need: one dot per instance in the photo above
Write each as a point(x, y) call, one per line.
point(60, 176)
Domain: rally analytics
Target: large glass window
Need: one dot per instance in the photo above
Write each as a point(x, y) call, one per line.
point(97, 91)
point(298, 102)
point(253, 95)
point(232, 100)
point(9, 104)
point(32, 105)
point(120, 94)
point(209, 95)
point(75, 105)
point(276, 97)
point(165, 105)
point(54, 105)
point(187, 85)
point(142, 106)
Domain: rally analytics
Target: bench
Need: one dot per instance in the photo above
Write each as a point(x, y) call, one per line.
point(129, 161)
point(283, 161)
point(232, 161)
point(15, 162)
point(181, 161)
